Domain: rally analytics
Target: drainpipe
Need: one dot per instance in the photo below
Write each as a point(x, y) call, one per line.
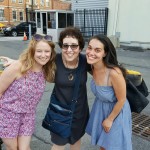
point(26, 11)
point(32, 10)
point(26, 14)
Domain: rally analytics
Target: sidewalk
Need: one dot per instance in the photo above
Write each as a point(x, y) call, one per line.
point(133, 60)
point(139, 61)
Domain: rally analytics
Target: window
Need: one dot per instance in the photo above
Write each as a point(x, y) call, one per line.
point(38, 20)
point(32, 2)
point(42, 2)
point(61, 20)
point(21, 16)
point(20, 1)
point(1, 14)
point(13, 1)
point(51, 17)
point(47, 3)
point(70, 19)
point(14, 15)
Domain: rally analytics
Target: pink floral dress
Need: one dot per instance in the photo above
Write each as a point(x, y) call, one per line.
point(19, 102)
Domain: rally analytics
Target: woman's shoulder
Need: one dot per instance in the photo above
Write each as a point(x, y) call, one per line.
point(58, 55)
point(115, 73)
point(58, 59)
point(83, 57)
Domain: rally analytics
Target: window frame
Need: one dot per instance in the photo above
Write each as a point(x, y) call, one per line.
point(14, 19)
point(1, 13)
point(13, 1)
point(21, 16)
point(20, 1)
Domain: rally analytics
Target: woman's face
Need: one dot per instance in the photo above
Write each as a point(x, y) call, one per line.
point(95, 52)
point(42, 53)
point(70, 49)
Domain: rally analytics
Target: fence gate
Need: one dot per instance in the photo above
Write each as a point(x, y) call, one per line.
point(92, 22)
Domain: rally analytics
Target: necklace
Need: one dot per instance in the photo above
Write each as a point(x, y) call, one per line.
point(71, 76)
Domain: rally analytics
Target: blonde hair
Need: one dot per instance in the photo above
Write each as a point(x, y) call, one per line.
point(27, 60)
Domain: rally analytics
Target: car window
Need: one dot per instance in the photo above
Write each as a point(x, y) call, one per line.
point(22, 24)
point(19, 25)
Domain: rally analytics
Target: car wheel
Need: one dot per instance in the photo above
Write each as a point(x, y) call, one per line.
point(14, 33)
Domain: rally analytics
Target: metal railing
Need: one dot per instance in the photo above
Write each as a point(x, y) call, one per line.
point(92, 22)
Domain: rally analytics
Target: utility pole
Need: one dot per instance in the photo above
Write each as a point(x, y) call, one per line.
point(8, 13)
point(26, 14)
point(26, 10)
point(32, 10)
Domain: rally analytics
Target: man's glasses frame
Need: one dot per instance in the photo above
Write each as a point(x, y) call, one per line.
point(73, 46)
point(38, 37)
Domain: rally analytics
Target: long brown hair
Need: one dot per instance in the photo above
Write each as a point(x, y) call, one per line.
point(110, 60)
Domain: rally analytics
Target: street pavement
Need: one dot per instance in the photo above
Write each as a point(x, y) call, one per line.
point(10, 38)
point(135, 60)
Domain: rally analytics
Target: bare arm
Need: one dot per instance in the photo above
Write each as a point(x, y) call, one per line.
point(119, 85)
point(8, 76)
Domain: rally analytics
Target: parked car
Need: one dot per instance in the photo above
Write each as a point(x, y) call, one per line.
point(20, 29)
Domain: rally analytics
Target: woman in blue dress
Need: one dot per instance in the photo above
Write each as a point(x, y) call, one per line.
point(110, 124)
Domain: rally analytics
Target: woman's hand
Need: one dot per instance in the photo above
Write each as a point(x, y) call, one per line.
point(107, 124)
point(7, 61)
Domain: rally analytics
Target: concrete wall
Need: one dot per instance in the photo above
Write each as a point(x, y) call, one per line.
point(130, 19)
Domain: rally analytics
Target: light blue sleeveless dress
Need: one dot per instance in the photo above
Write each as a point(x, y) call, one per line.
point(119, 137)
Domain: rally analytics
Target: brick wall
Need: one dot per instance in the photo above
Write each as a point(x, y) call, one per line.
point(61, 5)
point(9, 6)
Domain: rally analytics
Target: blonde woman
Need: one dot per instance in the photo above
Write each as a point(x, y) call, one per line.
point(22, 86)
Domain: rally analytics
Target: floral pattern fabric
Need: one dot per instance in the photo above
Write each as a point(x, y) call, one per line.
point(24, 94)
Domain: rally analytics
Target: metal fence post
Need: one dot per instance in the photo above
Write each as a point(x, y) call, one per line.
point(106, 21)
point(30, 31)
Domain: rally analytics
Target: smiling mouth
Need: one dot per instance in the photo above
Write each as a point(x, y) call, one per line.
point(43, 59)
point(69, 54)
point(91, 57)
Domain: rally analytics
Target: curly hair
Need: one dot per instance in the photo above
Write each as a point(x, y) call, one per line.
point(71, 32)
point(27, 60)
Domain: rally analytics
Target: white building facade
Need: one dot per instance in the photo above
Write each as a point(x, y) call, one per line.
point(89, 4)
point(128, 20)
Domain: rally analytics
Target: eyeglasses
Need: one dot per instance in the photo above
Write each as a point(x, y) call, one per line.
point(66, 46)
point(38, 37)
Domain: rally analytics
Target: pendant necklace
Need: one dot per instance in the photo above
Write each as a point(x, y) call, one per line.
point(71, 76)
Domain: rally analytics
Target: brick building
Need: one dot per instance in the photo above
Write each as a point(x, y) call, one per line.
point(16, 11)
